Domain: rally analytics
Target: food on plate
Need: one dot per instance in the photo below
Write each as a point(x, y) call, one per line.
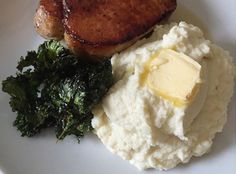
point(48, 19)
point(53, 88)
point(156, 104)
point(169, 98)
point(101, 28)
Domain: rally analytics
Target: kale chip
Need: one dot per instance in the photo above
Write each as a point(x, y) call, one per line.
point(54, 88)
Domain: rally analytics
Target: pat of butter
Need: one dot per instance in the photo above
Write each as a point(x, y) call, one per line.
point(174, 76)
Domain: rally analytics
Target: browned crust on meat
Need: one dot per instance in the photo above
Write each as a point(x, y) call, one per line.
point(100, 51)
point(112, 22)
point(100, 28)
point(48, 19)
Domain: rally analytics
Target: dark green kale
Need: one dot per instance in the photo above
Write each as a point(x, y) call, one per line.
point(54, 88)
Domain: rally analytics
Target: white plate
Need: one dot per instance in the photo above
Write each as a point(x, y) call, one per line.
point(44, 155)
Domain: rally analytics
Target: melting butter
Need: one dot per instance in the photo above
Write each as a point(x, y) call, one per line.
point(173, 76)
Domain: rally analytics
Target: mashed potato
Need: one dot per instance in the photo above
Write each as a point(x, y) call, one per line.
point(149, 130)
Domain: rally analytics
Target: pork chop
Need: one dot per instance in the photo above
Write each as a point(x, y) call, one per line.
point(101, 28)
point(48, 19)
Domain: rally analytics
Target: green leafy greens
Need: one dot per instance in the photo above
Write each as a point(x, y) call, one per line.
point(54, 88)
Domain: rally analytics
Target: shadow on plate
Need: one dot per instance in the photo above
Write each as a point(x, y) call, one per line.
point(182, 13)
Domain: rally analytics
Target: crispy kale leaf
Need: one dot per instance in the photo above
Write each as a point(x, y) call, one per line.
point(54, 88)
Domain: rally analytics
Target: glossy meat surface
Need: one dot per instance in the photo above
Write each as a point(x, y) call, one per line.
point(102, 27)
point(48, 19)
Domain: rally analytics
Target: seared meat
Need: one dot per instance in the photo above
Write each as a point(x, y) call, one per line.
point(48, 19)
point(103, 27)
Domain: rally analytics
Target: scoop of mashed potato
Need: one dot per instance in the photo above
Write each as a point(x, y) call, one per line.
point(150, 131)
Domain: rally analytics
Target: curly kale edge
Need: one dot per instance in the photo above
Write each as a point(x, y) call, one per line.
point(54, 88)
